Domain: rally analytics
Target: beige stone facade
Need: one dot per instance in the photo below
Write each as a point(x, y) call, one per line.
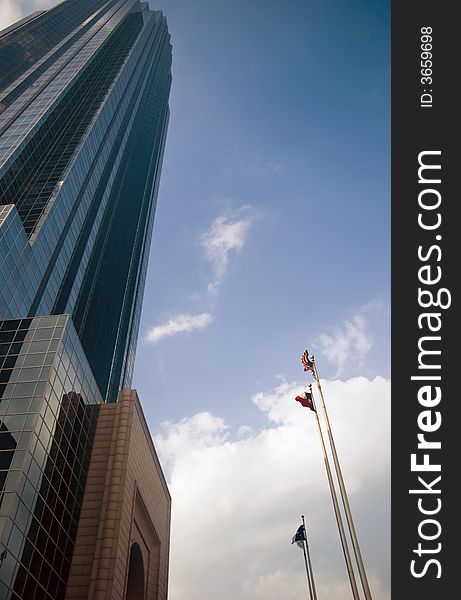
point(122, 546)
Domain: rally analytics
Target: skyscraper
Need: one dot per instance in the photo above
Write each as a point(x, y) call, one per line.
point(84, 110)
point(84, 93)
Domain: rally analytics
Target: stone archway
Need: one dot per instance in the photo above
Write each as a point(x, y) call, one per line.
point(136, 582)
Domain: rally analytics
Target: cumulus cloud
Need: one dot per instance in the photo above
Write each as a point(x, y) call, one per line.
point(191, 435)
point(178, 324)
point(227, 233)
point(237, 501)
point(347, 345)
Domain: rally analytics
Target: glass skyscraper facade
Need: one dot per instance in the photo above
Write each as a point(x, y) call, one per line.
point(84, 93)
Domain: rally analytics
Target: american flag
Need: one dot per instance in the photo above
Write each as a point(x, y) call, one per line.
point(307, 362)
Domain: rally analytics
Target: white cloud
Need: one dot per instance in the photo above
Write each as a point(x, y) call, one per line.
point(227, 233)
point(244, 431)
point(187, 436)
point(347, 346)
point(237, 502)
point(178, 324)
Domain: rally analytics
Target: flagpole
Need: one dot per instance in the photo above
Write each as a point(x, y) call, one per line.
point(342, 487)
point(339, 520)
point(314, 592)
point(309, 583)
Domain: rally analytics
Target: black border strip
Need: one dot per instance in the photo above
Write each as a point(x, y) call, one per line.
point(424, 124)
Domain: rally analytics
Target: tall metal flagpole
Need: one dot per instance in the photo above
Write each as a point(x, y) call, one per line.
point(339, 520)
point(308, 574)
point(342, 487)
point(314, 592)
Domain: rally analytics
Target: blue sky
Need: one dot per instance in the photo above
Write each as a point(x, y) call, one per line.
point(272, 235)
point(284, 111)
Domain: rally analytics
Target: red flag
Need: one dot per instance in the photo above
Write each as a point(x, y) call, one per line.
point(306, 400)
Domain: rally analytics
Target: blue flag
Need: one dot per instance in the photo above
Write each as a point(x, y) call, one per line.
point(299, 536)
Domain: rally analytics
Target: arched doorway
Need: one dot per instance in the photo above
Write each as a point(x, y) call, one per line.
point(135, 585)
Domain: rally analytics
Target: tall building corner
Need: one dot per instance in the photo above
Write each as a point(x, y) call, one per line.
point(84, 506)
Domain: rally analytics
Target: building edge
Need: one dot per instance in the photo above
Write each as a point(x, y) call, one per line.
point(122, 543)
